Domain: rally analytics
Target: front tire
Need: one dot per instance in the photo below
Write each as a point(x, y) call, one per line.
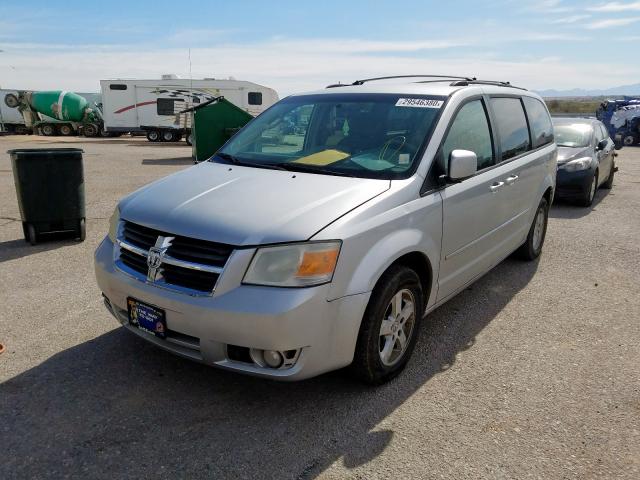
point(532, 247)
point(590, 193)
point(389, 329)
point(608, 185)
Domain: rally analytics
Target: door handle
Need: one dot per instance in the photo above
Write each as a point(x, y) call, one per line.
point(496, 186)
point(511, 179)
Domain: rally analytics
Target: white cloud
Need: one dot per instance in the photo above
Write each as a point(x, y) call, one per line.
point(550, 6)
point(616, 7)
point(612, 22)
point(293, 65)
point(571, 19)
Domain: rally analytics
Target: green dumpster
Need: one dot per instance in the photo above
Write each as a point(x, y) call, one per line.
point(215, 122)
point(50, 188)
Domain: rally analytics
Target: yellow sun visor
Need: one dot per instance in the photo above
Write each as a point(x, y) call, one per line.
point(325, 157)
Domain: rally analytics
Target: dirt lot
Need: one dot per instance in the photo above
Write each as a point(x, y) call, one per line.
point(534, 371)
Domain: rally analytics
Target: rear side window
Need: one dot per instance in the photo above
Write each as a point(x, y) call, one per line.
point(117, 86)
point(512, 126)
point(255, 98)
point(539, 122)
point(166, 106)
point(470, 131)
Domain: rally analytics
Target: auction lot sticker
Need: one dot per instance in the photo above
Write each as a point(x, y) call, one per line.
point(419, 103)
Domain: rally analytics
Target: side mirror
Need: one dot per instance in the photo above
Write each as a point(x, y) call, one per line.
point(462, 164)
point(602, 144)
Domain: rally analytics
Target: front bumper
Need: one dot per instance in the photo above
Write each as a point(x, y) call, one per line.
point(254, 317)
point(573, 184)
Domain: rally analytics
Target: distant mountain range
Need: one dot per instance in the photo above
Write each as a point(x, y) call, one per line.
point(580, 92)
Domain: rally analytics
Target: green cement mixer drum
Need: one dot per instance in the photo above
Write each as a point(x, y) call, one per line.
point(59, 104)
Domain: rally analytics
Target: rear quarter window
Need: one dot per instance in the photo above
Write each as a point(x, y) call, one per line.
point(539, 122)
point(511, 124)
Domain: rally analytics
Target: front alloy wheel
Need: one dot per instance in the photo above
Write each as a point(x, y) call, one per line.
point(397, 327)
point(388, 332)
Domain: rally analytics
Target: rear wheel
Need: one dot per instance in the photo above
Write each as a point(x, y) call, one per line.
point(11, 100)
point(189, 139)
point(629, 140)
point(65, 130)
point(32, 236)
point(153, 135)
point(82, 230)
point(91, 130)
point(168, 136)
point(388, 333)
point(532, 247)
point(47, 130)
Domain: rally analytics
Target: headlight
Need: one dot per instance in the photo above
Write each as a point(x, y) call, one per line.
point(294, 265)
point(114, 221)
point(577, 165)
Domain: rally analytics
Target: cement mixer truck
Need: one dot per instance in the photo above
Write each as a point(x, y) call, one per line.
point(72, 112)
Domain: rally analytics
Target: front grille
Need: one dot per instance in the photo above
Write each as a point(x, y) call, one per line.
point(188, 263)
point(140, 236)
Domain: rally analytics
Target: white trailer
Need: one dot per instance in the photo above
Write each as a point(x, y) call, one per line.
point(154, 106)
point(12, 120)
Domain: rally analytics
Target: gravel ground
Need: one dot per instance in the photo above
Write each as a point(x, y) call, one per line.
point(534, 371)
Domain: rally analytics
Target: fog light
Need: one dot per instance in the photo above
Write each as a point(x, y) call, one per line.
point(272, 358)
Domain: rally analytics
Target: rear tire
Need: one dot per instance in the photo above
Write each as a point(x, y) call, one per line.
point(380, 356)
point(629, 140)
point(32, 236)
point(153, 136)
point(168, 136)
point(532, 247)
point(65, 130)
point(609, 183)
point(90, 130)
point(11, 100)
point(82, 230)
point(47, 130)
point(189, 139)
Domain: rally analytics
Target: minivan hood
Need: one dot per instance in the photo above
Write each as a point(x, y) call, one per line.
point(246, 206)
point(569, 153)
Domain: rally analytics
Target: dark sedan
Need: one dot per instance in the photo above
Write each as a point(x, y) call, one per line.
point(586, 158)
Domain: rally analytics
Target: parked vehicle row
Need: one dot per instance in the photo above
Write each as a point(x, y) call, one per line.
point(324, 231)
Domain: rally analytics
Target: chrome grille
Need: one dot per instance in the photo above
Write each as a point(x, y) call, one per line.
point(186, 264)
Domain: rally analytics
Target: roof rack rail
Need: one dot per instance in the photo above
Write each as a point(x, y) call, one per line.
point(448, 77)
point(497, 83)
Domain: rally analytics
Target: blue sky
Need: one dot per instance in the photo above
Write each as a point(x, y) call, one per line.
point(297, 45)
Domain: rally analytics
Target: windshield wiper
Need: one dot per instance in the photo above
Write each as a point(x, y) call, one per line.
point(301, 167)
point(236, 161)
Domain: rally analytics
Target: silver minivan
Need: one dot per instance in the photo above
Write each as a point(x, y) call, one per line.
point(324, 231)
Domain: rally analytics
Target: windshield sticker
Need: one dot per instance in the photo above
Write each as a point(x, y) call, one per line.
point(419, 103)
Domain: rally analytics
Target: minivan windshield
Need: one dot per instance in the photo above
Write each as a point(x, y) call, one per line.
point(572, 135)
point(358, 135)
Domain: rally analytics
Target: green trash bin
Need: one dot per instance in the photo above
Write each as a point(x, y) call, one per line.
point(50, 187)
